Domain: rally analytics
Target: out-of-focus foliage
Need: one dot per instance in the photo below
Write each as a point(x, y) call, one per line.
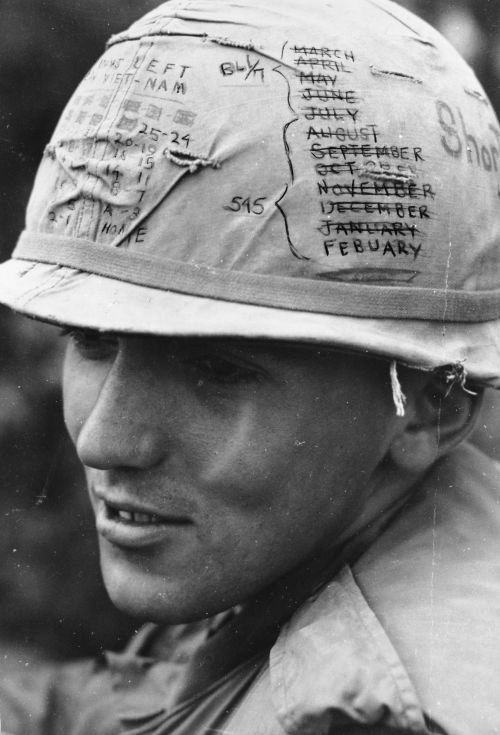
point(51, 598)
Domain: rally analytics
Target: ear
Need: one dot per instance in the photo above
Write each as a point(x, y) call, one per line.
point(438, 418)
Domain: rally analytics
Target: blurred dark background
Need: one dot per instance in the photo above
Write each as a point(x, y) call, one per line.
point(51, 599)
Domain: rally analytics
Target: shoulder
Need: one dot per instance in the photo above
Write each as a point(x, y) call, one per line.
point(433, 581)
point(46, 697)
point(411, 632)
point(91, 696)
point(54, 698)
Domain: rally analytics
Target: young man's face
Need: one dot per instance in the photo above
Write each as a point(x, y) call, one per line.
point(214, 467)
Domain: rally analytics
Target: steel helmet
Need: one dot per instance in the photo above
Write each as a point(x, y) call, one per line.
point(323, 173)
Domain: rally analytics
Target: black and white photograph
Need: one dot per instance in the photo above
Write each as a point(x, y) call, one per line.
point(249, 367)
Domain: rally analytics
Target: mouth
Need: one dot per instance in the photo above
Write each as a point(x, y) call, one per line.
point(128, 525)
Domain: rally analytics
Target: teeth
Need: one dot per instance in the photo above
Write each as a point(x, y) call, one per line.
point(129, 517)
point(144, 518)
point(124, 515)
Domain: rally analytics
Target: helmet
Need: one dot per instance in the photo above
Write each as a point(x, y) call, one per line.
point(322, 174)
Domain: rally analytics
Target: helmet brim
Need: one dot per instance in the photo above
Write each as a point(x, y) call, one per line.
point(74, 298)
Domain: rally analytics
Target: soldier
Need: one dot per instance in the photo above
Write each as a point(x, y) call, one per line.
point(273, 237)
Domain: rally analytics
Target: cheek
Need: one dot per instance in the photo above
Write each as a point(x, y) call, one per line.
point(82, 382)
point(270, 496)
point(90, 476)
point(74, 412)
point(250, 456)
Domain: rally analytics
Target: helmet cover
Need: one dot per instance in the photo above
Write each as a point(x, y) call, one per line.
point(341, 163)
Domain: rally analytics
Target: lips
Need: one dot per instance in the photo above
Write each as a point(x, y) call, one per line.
point(129, 524)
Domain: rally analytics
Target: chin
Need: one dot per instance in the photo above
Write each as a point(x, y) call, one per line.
point(143, 593)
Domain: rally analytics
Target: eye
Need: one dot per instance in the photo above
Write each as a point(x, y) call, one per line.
point(223, 371)
point(91, 344)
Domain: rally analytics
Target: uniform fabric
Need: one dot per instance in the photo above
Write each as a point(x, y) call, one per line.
point(405, 638)
point(327, 167)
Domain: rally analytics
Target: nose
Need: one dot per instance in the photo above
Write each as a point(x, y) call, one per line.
point(112, 414)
